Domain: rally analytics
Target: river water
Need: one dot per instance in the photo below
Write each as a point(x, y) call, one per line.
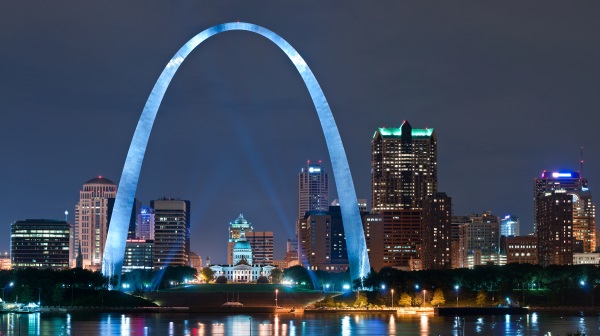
point(89, 324)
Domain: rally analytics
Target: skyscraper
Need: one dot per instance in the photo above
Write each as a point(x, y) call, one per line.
point(583, 217)
point(556, 180)
point(171, 232)
point(403, 176)
point(313, 188)
point(403, 167)
point(91, 220)
point(437, 232)
point(554, 213)
point(324, 241)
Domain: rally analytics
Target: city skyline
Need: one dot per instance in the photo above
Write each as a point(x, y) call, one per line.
point(494, 97)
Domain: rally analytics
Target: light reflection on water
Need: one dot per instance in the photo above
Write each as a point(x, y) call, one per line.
point(106, 324)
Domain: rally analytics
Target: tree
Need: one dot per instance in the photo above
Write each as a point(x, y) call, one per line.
point(405, 300)
point(438, 298)
point(221, 280)
point(276, 275)
point(208, 274)
point(262, 280)
point(481, 298)
point(57, 294)
point(361, 300)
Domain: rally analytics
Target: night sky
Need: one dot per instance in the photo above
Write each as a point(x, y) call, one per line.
point(510, 89)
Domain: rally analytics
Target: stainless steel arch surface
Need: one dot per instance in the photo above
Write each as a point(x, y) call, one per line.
point(117, 234)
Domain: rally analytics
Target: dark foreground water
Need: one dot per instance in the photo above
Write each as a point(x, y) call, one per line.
point(88, 324)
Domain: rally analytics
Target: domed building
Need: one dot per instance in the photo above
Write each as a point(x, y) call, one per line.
point(242, 269)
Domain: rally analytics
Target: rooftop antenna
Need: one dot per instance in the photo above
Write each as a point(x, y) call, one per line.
point(581, 161)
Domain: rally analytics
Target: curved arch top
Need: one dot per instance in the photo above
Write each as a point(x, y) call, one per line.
point(117, 234)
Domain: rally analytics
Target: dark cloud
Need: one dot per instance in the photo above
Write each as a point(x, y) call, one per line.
point(511, 89)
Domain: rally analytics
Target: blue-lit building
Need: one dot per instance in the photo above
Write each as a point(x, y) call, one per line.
point(509, 226)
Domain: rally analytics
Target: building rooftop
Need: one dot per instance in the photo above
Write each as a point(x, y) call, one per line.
point(100, 180)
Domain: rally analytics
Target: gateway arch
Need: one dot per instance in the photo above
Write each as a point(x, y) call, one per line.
point(114, 250)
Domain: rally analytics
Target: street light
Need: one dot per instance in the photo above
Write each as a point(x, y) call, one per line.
point(392, 298)
point(276, 291)
point(383, 287)
point(456, 288)
point(424, 291)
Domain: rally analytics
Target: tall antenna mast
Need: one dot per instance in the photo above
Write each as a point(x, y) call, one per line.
point(581, 162)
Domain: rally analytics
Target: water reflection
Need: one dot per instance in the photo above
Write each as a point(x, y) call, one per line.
point(290, 324)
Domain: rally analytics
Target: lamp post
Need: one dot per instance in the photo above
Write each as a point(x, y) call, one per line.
point(456, 288)
point(276, 292)
point(424, 291)
point(392, 298)
point(39, 297)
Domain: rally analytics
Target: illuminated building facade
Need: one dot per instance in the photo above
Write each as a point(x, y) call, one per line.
point(117, 235)
point(555, 228)
point(393, 238)
point(313, 188)
point(171, 232)
point(324, 240)
point(403, 167)
point(584, 221)
point(437, 232)
point(235, 233)
point(521, 249)
point(40, 243)
point(555, 180)
point(139, 255)
point(244, 267)
point(91, 220)
point(509, 226)
point(145, 228)
point(262, 246)
point(479, 239)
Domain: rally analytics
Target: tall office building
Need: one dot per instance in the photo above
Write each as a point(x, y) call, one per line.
point(262, 246)
point(324, 241)
point(584, 211)
point(313, 188)
point(554, 213)
point(509, 226)
point(40, 243)
point(479, 239)
point(403, 176)
point(584, 222)
point(403, 167)
point(171, 232)
point(555, 180)
point(235, 233)
point(145, 228)
point(437, 232)
point(91, 220)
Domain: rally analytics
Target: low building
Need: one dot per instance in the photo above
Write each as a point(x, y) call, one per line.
point(521, 249)
point(139, 255)
point(242, 269)
point(40, 243)
point(586, 258)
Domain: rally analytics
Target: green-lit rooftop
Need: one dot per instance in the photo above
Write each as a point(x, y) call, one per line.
point(397, 131)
